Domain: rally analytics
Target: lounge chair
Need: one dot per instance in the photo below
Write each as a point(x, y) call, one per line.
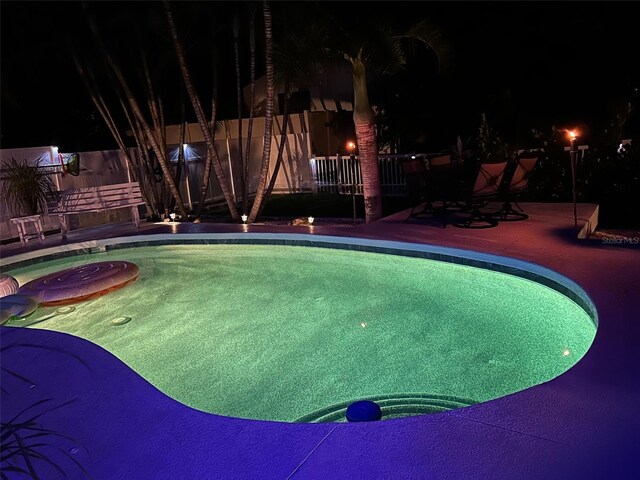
point(514, 186)
point(486, 187)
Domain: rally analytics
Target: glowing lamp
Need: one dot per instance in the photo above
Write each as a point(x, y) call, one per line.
point(572, 134)
point(310, 220)
point(184, 145)
point(351, 146)
point(172, 216)
point(244, 218)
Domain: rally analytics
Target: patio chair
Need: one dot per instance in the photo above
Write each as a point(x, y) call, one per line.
point(445, 180)
point(415, 172)
point(514, 185)
point(486, 187)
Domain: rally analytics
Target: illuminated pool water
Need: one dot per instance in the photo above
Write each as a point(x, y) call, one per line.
point(297, 333)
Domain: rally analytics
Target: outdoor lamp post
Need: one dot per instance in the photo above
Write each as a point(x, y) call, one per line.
point(575, 152)
point(572, 134)
point(351, 146)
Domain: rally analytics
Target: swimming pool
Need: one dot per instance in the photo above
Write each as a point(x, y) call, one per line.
point(287, 332)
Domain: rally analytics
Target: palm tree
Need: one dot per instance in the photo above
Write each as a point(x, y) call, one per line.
point(99, 102)
point(365, 125)
point(268, 123)
point(252, 79)
point(212, 154)
point(150, 134)
point(297, 57)
point(371, 46)
point(236, 52)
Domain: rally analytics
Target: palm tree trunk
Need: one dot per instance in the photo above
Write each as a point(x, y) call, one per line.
point(161, 155)
point(204, 127)
point(157, 118)
point(236, 52)
point(145, 163)
point(104, 111)
point(143, 149)
point(180, 164)
point(252, 74)
point(138, 114)
point(268, 121)
point(364, 121)
point(283, 140)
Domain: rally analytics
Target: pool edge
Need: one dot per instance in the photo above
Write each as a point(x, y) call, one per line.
point(520, 268)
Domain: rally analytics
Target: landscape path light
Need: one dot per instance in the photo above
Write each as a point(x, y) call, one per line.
point(351, 146)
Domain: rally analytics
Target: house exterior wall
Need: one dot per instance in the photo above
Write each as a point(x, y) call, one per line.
point(308, 134)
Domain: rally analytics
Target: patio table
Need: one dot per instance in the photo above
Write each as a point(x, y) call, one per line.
point(444, 184)
point(21, 224)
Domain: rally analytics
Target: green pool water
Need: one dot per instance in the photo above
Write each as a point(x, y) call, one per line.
point(297, 333)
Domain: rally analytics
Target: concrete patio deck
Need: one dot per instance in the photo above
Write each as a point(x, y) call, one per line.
point(582, 424)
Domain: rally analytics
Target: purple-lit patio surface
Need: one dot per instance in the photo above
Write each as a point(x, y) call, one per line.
point(583, 424)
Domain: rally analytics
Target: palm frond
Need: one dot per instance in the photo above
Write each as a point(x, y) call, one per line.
point(433, 38)
point(16, 375)
point(298, 56)
point(26, 187)
point(23, 440)
point(383, 51)
point(46, 348)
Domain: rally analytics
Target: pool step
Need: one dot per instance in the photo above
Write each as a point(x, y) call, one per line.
point(392, 406)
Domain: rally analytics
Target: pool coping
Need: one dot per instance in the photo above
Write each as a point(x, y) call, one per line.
point(512, 266)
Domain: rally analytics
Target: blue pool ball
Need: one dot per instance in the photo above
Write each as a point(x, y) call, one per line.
point(363, 411)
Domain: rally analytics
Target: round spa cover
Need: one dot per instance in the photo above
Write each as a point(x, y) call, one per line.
point(81, 283)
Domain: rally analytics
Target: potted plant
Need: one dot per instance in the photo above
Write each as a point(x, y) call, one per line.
point(490, 146)
point(25, 187)
point(460, 153)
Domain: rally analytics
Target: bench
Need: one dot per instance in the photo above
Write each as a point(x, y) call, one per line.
point(95, 199)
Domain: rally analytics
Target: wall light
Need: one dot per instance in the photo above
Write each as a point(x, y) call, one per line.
point(310, 220)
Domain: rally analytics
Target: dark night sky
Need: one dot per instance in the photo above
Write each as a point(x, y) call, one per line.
point(526, 64)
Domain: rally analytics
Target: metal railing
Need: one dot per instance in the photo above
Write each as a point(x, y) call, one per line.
point(341, 173)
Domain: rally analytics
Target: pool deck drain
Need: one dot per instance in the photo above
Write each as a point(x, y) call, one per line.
point(583, 424)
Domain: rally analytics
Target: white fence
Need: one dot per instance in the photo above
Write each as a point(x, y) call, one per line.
point(300, 172)
point(342, 173)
